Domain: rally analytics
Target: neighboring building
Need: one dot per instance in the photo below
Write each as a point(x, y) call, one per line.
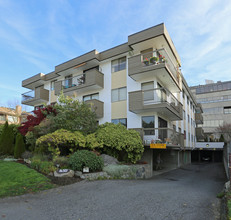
point(138, 84)
point(215, 99)
point(13, 116)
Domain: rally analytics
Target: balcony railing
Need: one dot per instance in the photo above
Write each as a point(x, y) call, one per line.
point(160, 100)
point(74, 81)
point(161, 135)
point(160, 95)
point(28, 95)
point(158, 57)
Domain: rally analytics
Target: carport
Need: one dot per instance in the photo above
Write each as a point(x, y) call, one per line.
point(208, 152)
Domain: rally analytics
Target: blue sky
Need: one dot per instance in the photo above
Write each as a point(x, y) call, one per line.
point(35, 36)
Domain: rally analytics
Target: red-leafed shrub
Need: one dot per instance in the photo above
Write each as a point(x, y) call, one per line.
point(33, 120)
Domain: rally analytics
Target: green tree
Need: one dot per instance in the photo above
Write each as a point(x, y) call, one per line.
point(19, 146)
point(7, 140)
point(73, 115)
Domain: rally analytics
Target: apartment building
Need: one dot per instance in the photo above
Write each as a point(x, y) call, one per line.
point(13, 116)
point(138, 84)
point(215, 100)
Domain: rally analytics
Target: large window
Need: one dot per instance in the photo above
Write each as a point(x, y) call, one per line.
point(214, 87)
point(90, 97)
point(118, 64)
point(119, 94)
point(227, 110)
point(122, 121)
point(148, 123)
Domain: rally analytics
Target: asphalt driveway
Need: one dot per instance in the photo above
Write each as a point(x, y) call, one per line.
point(188, 193)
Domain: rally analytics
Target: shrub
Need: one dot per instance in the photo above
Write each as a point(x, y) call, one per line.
point(125, 145)
point(60, 142)
point(92, 143)
point(7, 140)
point(43, 166)
point(86, 158)
point(62, 161)
point(19, 146)
point(27, 155)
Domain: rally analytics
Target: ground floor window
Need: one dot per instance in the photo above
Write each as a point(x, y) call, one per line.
point(122, 121)
point(148, 123)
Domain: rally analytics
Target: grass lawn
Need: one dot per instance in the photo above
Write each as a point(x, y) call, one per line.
point(17, 179)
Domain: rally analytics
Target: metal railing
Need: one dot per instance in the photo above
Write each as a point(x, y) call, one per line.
point(74, 81)
point(157, 57)
point(28, 95)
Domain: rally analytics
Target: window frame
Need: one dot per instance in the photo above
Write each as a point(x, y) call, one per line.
point(118, 98)
point(120, 65)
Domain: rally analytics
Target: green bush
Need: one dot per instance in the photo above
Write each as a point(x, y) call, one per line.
point(125, 145)
point(43, 166)
point(63, 162)
point(19, 146)
point(7, 140)
point(60, 142)
point(92, 143)
point(84, 158)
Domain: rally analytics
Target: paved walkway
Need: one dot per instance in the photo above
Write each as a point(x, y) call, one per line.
point(188, 193)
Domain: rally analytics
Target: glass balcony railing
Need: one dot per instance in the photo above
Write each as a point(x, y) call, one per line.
point(28, 95)
point(162, 135)
point(74, 81)
point(160, 95)
point(158, 57)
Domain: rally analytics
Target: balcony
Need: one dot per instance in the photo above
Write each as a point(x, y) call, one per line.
point(199, 133)
point(34, 81)
point(155, 64)
point(89, 81)
point(158, 100)
point(199, 118)
point(96, 106)
point(35, 97)
point(161, 135)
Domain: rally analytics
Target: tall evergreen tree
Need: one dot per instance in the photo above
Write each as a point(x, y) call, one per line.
point(7, 140)
point(3, 134)
point(19, 146)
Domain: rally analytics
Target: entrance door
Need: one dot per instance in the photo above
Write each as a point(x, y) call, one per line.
point(162, 132)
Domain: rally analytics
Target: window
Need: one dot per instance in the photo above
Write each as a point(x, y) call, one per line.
point(68, 81)
point(53, 85)
point(12, 119)
point(90, 97)
point(119, 94)
point(184, 114)
point(122, 121)
point(148, 125)
point(227, 110)
point(184, 134)
point(2, 117)
point(118, 64)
